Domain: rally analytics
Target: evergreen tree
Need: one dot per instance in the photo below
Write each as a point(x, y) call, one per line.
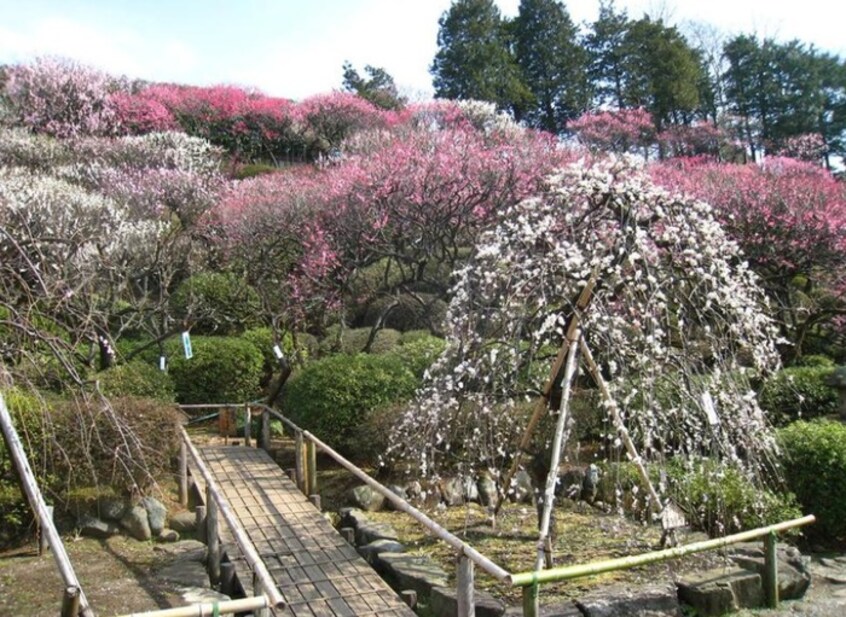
point(378, 86)
point(605, 44)
point(553, 64)
point(473, 59)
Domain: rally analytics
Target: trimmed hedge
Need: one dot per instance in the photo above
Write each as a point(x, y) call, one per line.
point(814, 455)
point(139, 379)
point(222, 370)
point(333, 396)
point(798, 392)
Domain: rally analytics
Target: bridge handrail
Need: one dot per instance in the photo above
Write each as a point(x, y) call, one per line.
point(399, 503)
point(241, 538)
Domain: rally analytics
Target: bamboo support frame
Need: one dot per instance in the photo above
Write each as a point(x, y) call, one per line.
point(543, 402)
point(465, 587)
point(299, 456)
point(402, 505)
point(558, 444)
point(255, 562)
point(36, 502)
point(311, 468)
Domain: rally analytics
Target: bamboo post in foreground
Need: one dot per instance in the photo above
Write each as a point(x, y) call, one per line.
point(311, 466)
point(771, 570)
point(70, 602)
point(213, 537)
point(300, 462)
point(531, 601)
point(183, 474)
point(464, 590)
point(36, 502)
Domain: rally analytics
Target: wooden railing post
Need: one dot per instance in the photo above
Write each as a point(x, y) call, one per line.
point(200, 523)
point(248, 425)
point(311, 458)
point(213, 537)
point(264, 432)
point(771, 569)
point(258, 589)
point(299, 455)
point(464, 591)
point(183, 474)
point(70, 602)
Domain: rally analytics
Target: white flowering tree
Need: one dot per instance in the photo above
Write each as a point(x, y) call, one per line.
point(641, 287)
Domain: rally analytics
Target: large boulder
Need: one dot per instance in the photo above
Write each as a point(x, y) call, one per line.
point(367, 499)
point(417, 572)
point(371, 551)
point(721, 591)
point(521, 490)
point(93, 527)
point(136, 524)
point(452, 491)
point(652, 601)
point(156, 514)
point(443, 601)
point(486, 487)
point(184, 550)
point(794, 577)
point(112, 508)
point(183, 521)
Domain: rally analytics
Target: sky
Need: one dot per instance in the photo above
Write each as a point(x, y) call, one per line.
point(295, 48)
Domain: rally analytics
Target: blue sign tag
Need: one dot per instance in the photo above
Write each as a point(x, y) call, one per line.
point(186, 345)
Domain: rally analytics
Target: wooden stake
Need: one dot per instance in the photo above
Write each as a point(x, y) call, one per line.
point(464, 591)
point(299, 455)
point(264, 433)
point(213, 537)
point(200, 523)
point(227, 578)
point(248, 426)
point(183, 474)
point(315, 501)
point(311, 458)
point(771, 569)
point(70, 602)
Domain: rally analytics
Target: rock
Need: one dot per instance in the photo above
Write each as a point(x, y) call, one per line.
point(413, 490)
point(590, 484)
point(570, 483)
point(92, 527)
point(183, 521)
point(185, 574)
point(366, 531)
point(366, 498)
point(372, 550)
point(653, 601)
point(397, 490)
point(168, 535)
point(112, 508)
point(486, 486)
point(135, 522)
point(443, 602)
point(521, 490)
point(416, 572)
point(156, 514)
point(720, 591)
point(452, 491)
point(794, 578)
point(184, 550)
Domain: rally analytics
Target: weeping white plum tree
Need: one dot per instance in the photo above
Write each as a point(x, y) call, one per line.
point(675, 329)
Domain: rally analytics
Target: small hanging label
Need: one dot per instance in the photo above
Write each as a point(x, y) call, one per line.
point(278, 351)
point(710, 411)
point(162, 363)
point(186, 345)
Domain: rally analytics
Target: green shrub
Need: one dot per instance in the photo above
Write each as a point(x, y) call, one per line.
point(252, 170)
point(222, 370)
point(334, 395)
point(815, 360)
point(719, 499)
point(798, 392)
point(353, 340)
point(216, 303)
point(139, 379)
point(27, 416)
point(418, 353)
point(814, 460)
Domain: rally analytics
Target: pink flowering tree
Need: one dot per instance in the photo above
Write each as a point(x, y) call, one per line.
point(789, 218)
point(327, 119)
point(809, 147)
point(60, 97)
point(676, 325)
point(620, 131)
point(696, 139)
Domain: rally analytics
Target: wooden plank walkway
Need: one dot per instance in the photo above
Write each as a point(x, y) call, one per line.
point(317, 571)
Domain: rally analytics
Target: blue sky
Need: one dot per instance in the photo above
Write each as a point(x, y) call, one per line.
point(295, 48)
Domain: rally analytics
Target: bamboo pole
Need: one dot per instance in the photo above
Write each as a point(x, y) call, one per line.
point(264, 432)
point(299, 457)
point(248, 426)
point(207, 609)
point(402, 505)
point(771, 570)
point(464, 588)
point(558, 443)
point(531, 601)
point(528, 579)
point(70, 602)
point(275, 599)
point(36, 502)
point(183, 474)
point(654, 500)
point(542, 403)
